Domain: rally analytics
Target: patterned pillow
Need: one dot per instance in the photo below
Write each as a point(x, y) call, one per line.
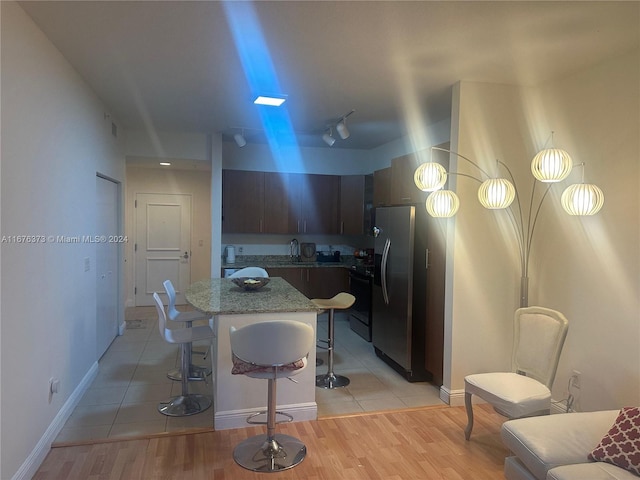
point(621, 445)
point(240, 367)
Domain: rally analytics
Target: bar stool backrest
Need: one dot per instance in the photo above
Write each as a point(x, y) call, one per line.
point(162, 316)
point(171, 293)
point(277, 342)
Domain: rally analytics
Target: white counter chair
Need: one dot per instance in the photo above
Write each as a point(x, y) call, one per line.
point(250, 272)
point(538, 337)
point(195, 372)
point(341, 301)
point(186, 403)
point(270, 350)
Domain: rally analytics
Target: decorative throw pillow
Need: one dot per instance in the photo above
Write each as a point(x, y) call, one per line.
point(240, 367)
point(621, 445)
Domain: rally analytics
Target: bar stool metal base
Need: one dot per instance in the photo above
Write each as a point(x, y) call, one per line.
point(330, 380)
point(184, 405)
point(262, 454)
point(196, 373)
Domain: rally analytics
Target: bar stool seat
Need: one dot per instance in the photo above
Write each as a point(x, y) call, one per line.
point(196, 372)
point(270, 350)
point(341, 301)
point(186, 403)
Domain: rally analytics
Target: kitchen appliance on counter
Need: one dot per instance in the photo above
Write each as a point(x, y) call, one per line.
point(360, 284)
point(408, 292)
point(307, 252)
point(230, 254)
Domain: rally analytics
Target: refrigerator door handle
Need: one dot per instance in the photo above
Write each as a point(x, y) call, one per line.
point(383, 272)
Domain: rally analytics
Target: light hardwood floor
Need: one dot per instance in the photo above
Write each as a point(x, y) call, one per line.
point(421, 444)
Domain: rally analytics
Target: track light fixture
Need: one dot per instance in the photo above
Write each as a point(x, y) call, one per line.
point(239, 138)
point(340, 126)
point(328, 137)
point(342, 129)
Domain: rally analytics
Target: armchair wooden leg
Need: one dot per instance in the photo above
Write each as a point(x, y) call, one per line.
point(467, 404)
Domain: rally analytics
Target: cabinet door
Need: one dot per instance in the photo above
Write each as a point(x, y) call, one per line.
point(294, 202)
point(242, 201)
point(320, 204)
point(275, 204)
point(403, 188)
point(313, 203)
point(327, 282)
point(382, 187)
point(352, 205)
point(293, 275)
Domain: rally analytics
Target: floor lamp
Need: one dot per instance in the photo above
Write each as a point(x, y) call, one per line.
point(549, 166)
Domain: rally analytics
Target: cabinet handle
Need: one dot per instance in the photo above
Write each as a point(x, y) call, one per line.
point(342, 227)
point(304, 228)
point(298, 226)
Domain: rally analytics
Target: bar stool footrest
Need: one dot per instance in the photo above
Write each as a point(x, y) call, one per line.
point(196, 374)
point(264, 412)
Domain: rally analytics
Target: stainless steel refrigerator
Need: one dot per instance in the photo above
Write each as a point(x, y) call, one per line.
point(408, 292)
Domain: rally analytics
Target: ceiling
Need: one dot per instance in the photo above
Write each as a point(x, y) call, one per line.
point(179, 67)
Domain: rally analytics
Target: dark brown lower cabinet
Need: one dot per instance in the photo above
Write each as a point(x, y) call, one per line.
point(314, 282)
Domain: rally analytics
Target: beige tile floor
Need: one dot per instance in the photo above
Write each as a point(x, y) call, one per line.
point(122, 400)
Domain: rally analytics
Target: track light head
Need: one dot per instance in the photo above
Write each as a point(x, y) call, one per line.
point(240, 140)
point(342, 129)
point(328, 139)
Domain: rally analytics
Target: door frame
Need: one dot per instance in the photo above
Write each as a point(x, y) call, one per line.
point(135, 233)
point(120, 256)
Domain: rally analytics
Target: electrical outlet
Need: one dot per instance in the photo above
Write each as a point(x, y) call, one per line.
point(576, 380)
point(240, 249)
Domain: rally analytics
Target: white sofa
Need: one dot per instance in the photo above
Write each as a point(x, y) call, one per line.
point(555, 447)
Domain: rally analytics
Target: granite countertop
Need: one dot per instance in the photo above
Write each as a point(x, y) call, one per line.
point(220, 296)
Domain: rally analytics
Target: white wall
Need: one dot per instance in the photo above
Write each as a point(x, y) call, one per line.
point(590, 267)
point(586, 267)
point(55, 138)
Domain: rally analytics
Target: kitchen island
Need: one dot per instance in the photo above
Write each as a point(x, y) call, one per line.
point(235, 397)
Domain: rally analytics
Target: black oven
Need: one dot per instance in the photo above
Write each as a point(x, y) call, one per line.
point(360, 283)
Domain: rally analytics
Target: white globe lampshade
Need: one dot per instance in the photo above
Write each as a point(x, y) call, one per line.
point(551, 165)
point(430, 176)
point(496, 193)
point(442, 204)
point(582, 199)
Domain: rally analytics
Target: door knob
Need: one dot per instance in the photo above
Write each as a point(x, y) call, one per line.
point(186, 255)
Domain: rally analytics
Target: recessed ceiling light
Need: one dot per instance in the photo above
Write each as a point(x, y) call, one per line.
point(165, 164)
point(270, 100)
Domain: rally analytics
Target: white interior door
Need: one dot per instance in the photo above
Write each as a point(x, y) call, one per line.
point(162, 245)
point(107, 266)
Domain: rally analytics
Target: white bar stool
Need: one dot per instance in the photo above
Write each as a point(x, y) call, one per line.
point(186, 403)
point(270, 350)
point(341, 301)
point(196, 372)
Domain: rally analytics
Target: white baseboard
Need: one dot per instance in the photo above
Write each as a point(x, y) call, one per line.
point(30, 466)
point(454, 398)
point(238, 418)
